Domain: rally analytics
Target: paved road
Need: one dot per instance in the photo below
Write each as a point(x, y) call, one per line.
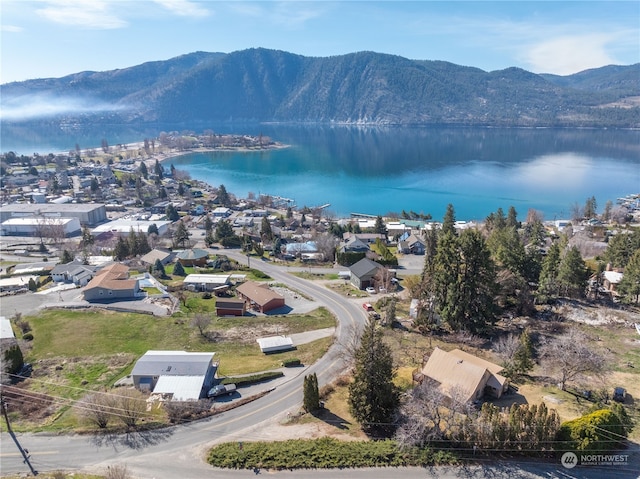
point(161, 454)
point(180, 451)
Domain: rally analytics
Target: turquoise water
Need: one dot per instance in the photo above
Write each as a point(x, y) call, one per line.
point(390, 170)
point(382, 170)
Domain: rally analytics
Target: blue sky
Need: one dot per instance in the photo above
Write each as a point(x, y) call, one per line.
point(52, 38)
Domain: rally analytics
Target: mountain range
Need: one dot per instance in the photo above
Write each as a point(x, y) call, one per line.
point(260, 85)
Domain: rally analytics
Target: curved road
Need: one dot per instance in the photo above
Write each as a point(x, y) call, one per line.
point(179, 451)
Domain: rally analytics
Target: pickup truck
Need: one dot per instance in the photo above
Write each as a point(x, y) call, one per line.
point(221, 390)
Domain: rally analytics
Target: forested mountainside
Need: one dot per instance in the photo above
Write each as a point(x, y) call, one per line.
point(365, 87)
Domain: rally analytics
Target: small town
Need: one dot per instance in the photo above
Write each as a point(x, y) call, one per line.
point(135, 298)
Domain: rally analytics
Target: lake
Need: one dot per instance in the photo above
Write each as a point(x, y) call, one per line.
point(378, 170)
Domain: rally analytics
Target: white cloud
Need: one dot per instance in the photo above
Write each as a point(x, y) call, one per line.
point(11, 28)
point(93, 14)
point(184, 8)
point(282, 14)
point(569, 54)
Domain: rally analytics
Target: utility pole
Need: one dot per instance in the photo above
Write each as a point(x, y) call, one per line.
point(24, 452)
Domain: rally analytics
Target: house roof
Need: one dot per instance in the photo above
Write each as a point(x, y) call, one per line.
point(172, 363)
point(231, 303)
point(614, 277)
point(115, 277)
point(193, 254)
point(73, 268)
point(207, 279)
point(156, 254)
point(258, 293)
point(364, 267)
point(460, 370)
point(182, 388)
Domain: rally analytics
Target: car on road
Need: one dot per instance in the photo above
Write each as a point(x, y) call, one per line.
point(370, 290)
point(221, 390)
point(367, 306)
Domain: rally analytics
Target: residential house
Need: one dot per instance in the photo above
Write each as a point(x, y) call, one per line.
point(112, 283)
point(193, 257)
point(462, 374)
point(363, 273)
point(611, 279)
point(74, 272)
point(230, 307)
point(259, 296)
point(354, 245)
point(165, 256)
point(184, 376)
point(369, 238)
point(413, 244)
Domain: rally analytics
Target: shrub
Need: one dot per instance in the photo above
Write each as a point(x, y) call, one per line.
point(207, 295)
point(598, 431)
point(255, 378)
point(291, 363)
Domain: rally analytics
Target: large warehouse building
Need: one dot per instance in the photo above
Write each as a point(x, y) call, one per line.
point(39, 226)
point(88, 214)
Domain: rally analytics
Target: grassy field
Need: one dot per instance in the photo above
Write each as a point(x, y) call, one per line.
point(77, 351)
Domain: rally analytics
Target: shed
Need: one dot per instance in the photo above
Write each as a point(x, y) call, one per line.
point(273, 344)
point(208, 282)
point(260, 296)
point(230, 307)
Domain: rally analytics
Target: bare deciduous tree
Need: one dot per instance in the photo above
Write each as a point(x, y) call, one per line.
point(131, 405)
point(97, 408)
point(572, 356)
point(429, 415)
point(201, 322)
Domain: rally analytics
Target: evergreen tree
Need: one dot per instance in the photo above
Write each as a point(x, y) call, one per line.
point(379, 227)
point(572, 273)
point(162, 193)
point(548, 286)
point(621, 247)
point(87, 237)
point(158, 268)
point(476, 283)
point(523, 358)
point(33, 286)
point(159, 170)
point(590, 208)
point(181, 234)
point(311, 393)
point(265, 230)
point(208, 224)
point(181, 190)
point(223, 196)
point(373, 397)
point(224, 230)
point(143, 170)
point(449, 220)
point(172, 213)
point(66, 257)
point(629, 287)
point(512, 218)
point(153, 229)
point(132, 241)
point(121, 250)
point(143, 244)
point(178, 269)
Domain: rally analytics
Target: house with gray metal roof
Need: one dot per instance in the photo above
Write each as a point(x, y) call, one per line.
point(363, 273)
point(185, 376)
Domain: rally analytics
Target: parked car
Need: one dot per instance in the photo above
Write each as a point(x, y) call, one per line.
point(370, 290)
point(221, 390)
point(367, 306)
point(619, 394)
